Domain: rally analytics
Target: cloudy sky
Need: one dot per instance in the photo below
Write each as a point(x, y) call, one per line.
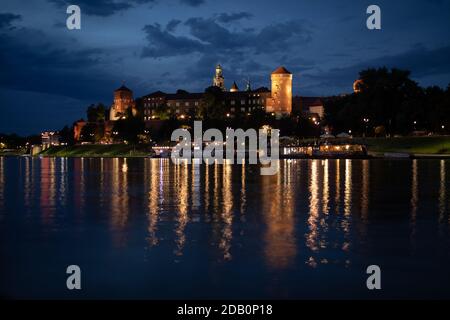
point(49, 74)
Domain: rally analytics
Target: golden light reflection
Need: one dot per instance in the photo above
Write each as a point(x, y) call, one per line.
point(156, 181)
point(2, 184)
point(442, 191)
point(207, 195)
point(365, 189)
point(227, 212)
point(182, 177)
point(119, 201)
point(243, 192)
point(325, 187)
point(48, 190)
point(196, 184)
point(346, 219)
point(337, 197)
point(278, 207)
point(348, 187)
point(29, 190)
point(414, 195)
point(62, 190)
point(313, 218)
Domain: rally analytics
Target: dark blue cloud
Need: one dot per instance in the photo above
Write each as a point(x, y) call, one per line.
point(6, 20)
point(162, 43)
point(193, 3)
point(101, 7)
point(35, 63)
point(227, 18)
point(208, 36)
point(172, 25)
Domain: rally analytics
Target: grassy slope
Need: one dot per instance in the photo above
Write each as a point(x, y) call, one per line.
point(118, 150)
point(416, 145)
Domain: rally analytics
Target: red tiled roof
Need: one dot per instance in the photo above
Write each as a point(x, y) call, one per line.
point(281, 70)
point(123, 88)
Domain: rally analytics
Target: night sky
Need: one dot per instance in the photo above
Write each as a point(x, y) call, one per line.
point(49, 74)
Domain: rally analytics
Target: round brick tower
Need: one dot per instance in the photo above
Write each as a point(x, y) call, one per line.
point(281, 100)
point(123, 100)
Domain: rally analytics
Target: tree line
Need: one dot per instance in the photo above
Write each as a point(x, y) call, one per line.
point(389, 102)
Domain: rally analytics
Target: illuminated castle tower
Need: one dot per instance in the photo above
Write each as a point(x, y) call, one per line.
point(123, 100)
point(219, 80)
point(281, 100)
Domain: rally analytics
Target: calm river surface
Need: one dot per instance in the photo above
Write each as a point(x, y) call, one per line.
point(148, 229)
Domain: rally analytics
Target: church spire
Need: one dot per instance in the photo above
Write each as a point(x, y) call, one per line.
point(234, 87)
point(219, 80)
point(248, 86)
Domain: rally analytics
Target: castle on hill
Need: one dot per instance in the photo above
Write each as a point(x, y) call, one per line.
point(278, 101)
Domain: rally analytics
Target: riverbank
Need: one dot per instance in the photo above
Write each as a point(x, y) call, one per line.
point(434, 145)
point(417, 147)
point(12, 153)
point(105, 151)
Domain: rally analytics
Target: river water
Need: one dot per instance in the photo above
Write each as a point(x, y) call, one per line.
point(148, 229)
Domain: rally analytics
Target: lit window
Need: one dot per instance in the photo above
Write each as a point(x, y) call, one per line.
point(242, 101)
point(233, 102)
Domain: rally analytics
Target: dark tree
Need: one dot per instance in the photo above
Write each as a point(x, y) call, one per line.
point(96, 113)
point(388, 102)
point(130, 128)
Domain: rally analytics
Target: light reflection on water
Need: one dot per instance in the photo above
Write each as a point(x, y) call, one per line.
point(313, 214)
point(2, 184)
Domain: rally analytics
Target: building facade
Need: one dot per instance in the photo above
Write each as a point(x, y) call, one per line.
point(182, 105)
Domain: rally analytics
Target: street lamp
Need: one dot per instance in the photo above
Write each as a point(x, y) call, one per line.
point(366, 121)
